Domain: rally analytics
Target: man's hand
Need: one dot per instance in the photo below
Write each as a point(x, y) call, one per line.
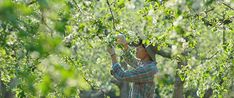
point(111, 51)
point(122, 41)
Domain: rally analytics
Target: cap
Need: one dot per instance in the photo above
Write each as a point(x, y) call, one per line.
point(150, 49)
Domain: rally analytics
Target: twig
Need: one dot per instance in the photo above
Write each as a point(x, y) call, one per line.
point(44, 22)
point(113, 2)
point(89, 82)
point(209, 10)
point(224, 33)
point(212, 56)
point(113, 18)
point(81, 11)
point(51, 30)
point(30, 3)
point(228, 6)
point(203, 60)
point(77, 6)
point(164, 54)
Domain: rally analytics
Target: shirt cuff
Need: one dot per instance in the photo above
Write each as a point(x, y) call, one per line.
point(115, 65)
point(126, 52)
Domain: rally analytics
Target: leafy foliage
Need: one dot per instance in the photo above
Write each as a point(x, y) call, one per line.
point(56, 48)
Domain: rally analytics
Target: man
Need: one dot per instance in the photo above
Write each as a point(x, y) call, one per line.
point(142, 74)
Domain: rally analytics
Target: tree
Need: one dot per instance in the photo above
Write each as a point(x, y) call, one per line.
point(55, 48)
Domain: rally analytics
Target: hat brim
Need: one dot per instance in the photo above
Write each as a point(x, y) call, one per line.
point(151, 50)
point(135, 44)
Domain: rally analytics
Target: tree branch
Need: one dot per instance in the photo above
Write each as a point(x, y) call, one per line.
point(77, 6)
point(164, 54)
point(224, 33)
point(113, 18)
point(228, 6)
point(43, 21)
point(208, 58)
point(89, 82)
point(30, 3)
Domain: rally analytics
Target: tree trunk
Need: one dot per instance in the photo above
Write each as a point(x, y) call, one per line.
point(208, 93)
point(178, 86)
point(1, 88)
point(124, 90)
point(124, 86)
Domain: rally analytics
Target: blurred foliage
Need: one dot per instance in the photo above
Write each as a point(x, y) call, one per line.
point(56, 48)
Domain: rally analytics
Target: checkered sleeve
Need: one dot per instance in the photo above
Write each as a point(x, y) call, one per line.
point(140, 74)
point(130, 59)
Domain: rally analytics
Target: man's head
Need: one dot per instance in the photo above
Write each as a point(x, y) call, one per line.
point(141, 52)
point(144, 51)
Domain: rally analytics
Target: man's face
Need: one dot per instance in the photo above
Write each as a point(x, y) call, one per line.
point(141, 52)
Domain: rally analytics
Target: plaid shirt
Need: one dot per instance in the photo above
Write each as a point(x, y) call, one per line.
point(142, 76)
